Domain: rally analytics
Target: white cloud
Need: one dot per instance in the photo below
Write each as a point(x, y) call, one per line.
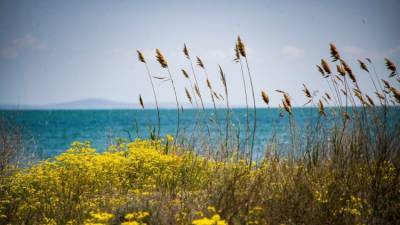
point(292, 51)
point(19, 45)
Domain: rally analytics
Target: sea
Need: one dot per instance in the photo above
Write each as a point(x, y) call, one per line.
point(51, 132)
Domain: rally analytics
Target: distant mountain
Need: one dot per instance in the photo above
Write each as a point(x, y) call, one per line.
point(91, 103)
point(97, 103)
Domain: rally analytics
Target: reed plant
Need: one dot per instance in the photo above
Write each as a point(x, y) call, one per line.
point(343, 167)
point(164, 64)
point(142, 59)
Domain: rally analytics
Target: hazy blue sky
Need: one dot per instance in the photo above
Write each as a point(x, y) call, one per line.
point(55, 51)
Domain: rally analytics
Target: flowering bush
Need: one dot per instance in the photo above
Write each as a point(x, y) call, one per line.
point(142, 183)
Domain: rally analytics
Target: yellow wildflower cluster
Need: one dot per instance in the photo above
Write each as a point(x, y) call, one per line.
point(214, 220)
point(136, 218)
point(149, 182)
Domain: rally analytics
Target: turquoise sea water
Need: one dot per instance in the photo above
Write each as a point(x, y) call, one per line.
point(52, 131)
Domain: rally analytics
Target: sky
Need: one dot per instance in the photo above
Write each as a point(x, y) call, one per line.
point(58, 51)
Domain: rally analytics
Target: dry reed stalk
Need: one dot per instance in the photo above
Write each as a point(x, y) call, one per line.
point(364, 67)
point(239, 60)
point(242, 51)
point(196, 88)
point(223, 80)
point(383, 100)
point(324, 75)
point(187, 55)
point(197, 92)
point(201, 64)
point(142, 59)
point(164, 64)
point(349, 72)
point(186, 75)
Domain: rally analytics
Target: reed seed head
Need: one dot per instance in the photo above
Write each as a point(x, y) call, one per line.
point(363, 66)
point(380, 96)
point(321, 108)
point(186, 51)
point(386, 83)
point(396, 93)
point(140, 56)
point(391, 67)
point(370, 100)
point(334, 52)
point(265, 97)
point(360, 97)
point(241, 47)
point(326, 66)
point(340, 69)
point(209, 84)
point(287, 99)
point(141, 101)
point(237, 53)
point(196, 88)
point(188, 95)
point(199, 62)
point(306, 91)
point(328, 96)
point(223, 78)
point(348, 70)
point(321, 70)
point(216, 95)
point(185, 74)
point(161, 59)
point(287, 107)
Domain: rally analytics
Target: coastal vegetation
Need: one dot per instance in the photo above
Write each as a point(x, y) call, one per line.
point(343, 168)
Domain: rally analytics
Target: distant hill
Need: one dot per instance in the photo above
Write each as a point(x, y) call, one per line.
point(91, 103)
point(97, 103)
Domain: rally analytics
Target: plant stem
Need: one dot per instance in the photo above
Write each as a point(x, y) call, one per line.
point(255, 111)
point(177, 106)
point(156, 101)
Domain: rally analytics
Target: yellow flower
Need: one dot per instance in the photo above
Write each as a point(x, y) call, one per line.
point(170, 138)
point(214, 220)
